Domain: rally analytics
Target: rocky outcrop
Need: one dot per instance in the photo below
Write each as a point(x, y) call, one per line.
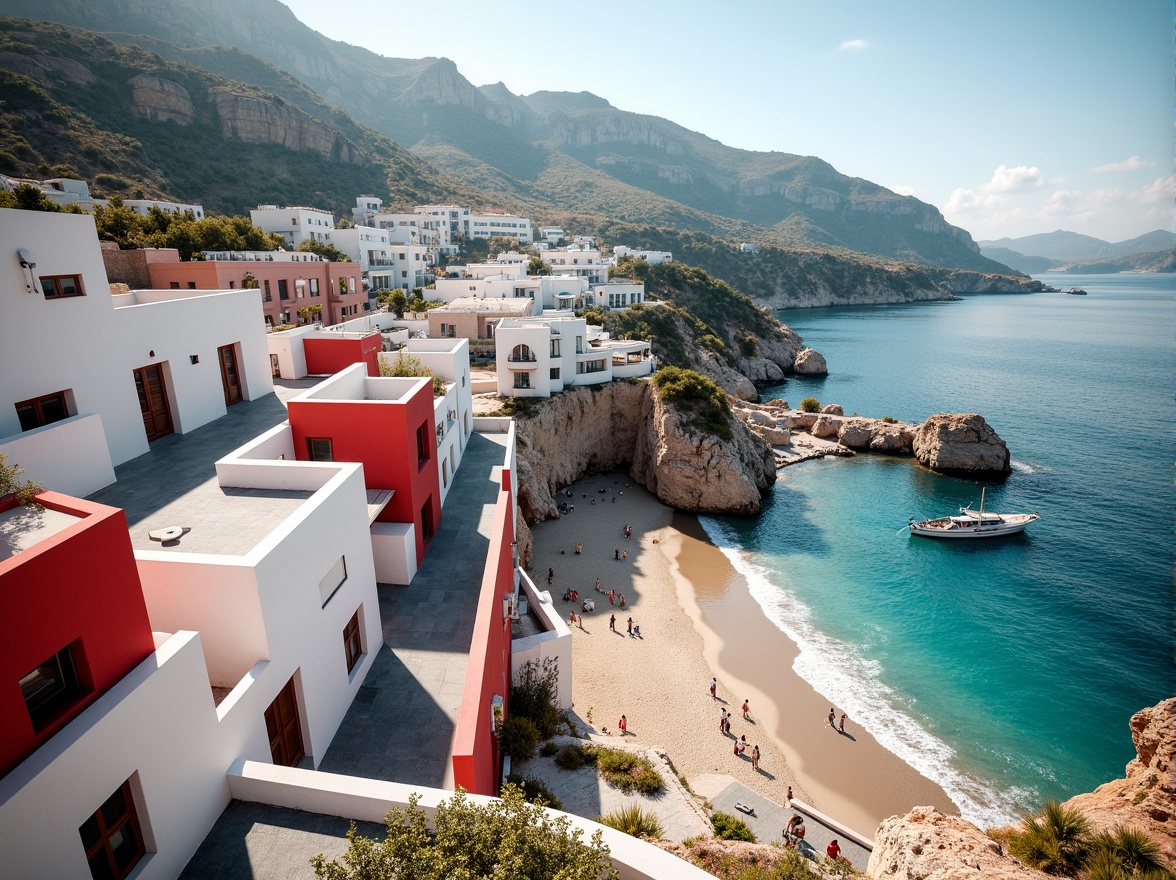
point(585, 430)
point(833, 409)
point(697, 471)
point(925, 844)
point(810, 363)
point(259, 121)
point(825, 426)
point(161, 100)
point(962, 281)
point(961, 444)
point(1143, 799)
point(724, 375)
point(876, 435)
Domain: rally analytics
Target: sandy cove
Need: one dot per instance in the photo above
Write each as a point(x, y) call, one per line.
point(698, 619)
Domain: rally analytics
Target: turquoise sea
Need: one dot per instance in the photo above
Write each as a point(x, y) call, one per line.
point(1006, 671)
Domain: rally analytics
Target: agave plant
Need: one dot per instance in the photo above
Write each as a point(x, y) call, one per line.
point(634, 821)
point(1131, 852)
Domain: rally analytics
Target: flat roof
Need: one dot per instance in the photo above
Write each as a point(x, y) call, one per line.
point(22, 528)
point(514, 305)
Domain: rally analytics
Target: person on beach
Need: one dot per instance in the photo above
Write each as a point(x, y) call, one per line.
point(722, 721)
point(598, 585)
point(612, 622)
point(630, 626)
point(637, 631)
point(832, 718)
point(572, 617)
point(714, 686)
point(788, 797)
point(755, 756)
point(624, 555)
point(623, 725)
point(550, 575)
point(617, 553)
point(841, 729)
point(726, 722)
point(612, 597)
point(833, 851)
point(746, 710)
point(621, 601)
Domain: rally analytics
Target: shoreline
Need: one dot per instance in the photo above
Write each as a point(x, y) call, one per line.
point(698, 619)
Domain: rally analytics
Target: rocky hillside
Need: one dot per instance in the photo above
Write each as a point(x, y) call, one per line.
point(77, 104)
point(550, 150)
point(927, 845)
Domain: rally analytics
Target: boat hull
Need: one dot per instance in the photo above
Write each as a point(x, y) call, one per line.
point(967, 532)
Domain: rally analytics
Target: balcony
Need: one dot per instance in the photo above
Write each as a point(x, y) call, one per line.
point(519, 360)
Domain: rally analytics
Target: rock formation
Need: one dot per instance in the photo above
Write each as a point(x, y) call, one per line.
point(1143, 799)
point(810, 363)
point(833, 409)
point(925, 844)
point(625, 423)
point(161, 100)
point(876, 435)
point(961, 444)
point(259, 121)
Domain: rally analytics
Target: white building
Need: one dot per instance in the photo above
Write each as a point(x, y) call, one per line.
point(500, 226)
point(651, 257)
point(155, 362)
point(540, 356)
point(576, 260)
point(60, 191)
point(294, 224)
point(455, 217)
point(552, 234)
point(143, 207)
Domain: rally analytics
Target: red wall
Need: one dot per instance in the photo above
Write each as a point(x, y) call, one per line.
point(381, 435)
point(80, 583)
point(476, 761)
point(327, 356)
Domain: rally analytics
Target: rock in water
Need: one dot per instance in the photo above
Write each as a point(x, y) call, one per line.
point(810, 363)
point(961, 444)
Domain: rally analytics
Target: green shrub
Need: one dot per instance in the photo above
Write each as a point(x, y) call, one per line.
point(727, 827)
point(695, 393)
point(1129, 851)
point(571, 758)
point(749, 345)
point(535, 695)
point(628, 772)
point(810, 405)
point(634, 821)
point(890, 420)
point(548, 749)
point(1056, 842)
point(518, 737)
point(535, 791)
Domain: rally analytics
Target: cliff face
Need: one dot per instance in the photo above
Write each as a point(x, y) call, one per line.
point(927, 845)
point(260, 121)
point(627, 424)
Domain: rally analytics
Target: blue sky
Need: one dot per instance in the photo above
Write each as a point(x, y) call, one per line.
point(1011, 117)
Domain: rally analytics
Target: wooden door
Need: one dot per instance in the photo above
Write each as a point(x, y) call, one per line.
point(231, 380)
point(284, 729)
point(153, 401)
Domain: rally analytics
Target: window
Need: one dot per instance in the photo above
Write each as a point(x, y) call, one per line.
point(319, 449)
point(42, 411)
point(590, 366)
point(555, 347)
point(112, 837)
point(314, 287)
point(268, 297)
point(191, 285)
point(51, 687)
point(174, 285)
point(444, 474)
point(351, 641)
point(427, 519)
point(333, 580)
point(522, 380)
point(59, 286)
point(521, 353)
point(555, 372)
point(422, 445)
point(283, 289)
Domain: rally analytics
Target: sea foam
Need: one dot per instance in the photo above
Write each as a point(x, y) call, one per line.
point(835, 667)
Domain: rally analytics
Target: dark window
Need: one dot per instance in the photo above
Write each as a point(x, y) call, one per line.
point(555, 372)
point(522, 380)
point(422, 444)
point(173, 285)
point(283, 289)
point(191, 285)
point(232, 284)
point(351, 641)
point(268, 296)
point(112, 838)
point(42, 411)
point(58, 286)
point(319, 449)
point(51, 687)
point(427, 519)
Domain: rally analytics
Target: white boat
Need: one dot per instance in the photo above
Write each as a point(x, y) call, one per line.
point(973, 524)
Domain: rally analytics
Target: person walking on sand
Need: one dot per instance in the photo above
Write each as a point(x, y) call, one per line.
point(617, 553)
point(788, 797)
point(624, 555)
point(722, 721)
point(612, 622)
point(755, 756)
point(623, 726)
point(612, 597)
point(841, 729)
point(598, 585)
point(746, 710)
point(832, 718)
point(550, 575)
point(630, 626)
point(714, 686)
point(621, 600)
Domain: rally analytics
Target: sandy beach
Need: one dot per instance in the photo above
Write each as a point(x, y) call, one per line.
point(698, 619)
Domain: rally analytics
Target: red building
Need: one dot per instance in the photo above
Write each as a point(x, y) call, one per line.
point(386, 424)
point(328, 353)
point(75, 622)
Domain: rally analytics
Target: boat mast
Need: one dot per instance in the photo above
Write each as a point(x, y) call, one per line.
point(982, 488)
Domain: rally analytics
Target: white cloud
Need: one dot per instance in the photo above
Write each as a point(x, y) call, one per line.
point(965, 200)
point(852, 45)
point(1159, 191)
point(903, 190)
point(1133, 164)
point(1019, 179)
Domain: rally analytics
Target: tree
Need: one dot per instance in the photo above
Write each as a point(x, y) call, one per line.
point(27, 197)
point(11, 483)
point(506, 838)
point(536, 266)
point(404, 365)
point(324, 250)
point(398, 302)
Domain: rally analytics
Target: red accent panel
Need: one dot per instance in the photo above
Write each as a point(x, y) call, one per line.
point(325, 357)
point(81, 583)
point(476, 760)
point(382, 435)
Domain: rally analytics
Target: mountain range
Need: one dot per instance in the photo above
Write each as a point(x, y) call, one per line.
point(554, 155)
point(1073, 252)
